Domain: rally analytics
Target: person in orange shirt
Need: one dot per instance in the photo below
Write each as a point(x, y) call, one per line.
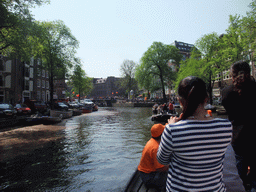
point(152, 173)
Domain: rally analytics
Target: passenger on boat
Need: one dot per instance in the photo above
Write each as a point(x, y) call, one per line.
point(239, 100)
point(194, 145)
point(154, 109)
point(165, 108)
point(152, 173)
point(170, 107)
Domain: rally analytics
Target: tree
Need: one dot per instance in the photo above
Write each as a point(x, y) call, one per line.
point(249, 27)
point(82, 84)
point(17, 28)
point(208, 46)
point(236, 42)
point(154, 64)
point(204, 61)
point(128, 81)
point(144, 80)
point(58, 48)
point(190, 67)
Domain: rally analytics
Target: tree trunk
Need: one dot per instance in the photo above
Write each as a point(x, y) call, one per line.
point(210, 88)
point(79, 94)
point(164, 96)
point(51, 90)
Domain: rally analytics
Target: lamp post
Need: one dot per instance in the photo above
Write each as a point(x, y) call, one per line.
point(131, 94)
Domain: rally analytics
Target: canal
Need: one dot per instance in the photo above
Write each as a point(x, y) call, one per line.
point(94, 152)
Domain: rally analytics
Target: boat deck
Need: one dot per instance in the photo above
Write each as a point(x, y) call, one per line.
point(136, 184)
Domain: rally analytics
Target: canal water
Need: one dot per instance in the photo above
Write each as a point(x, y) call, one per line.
point(95, 152)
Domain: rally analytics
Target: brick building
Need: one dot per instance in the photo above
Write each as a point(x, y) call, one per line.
point(24, 80)
point(224, 79)
point(106, 88)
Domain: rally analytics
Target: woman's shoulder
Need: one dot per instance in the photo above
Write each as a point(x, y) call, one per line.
point(189, 123)
point(221, 120)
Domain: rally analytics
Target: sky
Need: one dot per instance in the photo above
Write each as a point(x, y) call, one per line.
point(111, 31)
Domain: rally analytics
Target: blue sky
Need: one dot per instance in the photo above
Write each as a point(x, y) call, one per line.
point(110, 31)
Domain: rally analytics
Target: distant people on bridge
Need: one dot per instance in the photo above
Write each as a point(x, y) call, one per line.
point(239, 100)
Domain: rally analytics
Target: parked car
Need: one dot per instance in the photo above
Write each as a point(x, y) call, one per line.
point(87, 101)
point(22, 109)
point(61, 106)
point(35, 105)
point(40, 106)
point(74, 105)
point(7, 110)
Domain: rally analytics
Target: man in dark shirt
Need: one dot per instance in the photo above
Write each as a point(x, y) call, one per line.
point(239, 101)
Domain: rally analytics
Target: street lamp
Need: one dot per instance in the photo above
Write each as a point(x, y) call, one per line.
point(131, 94)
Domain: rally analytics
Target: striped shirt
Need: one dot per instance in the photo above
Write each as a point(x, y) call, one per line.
point(195, 152)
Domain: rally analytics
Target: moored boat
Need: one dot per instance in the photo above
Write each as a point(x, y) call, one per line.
point(51, 120)
point(95, 107)
point(162, 118)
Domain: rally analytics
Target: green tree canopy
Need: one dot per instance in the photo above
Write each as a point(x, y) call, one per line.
point(57, 48)
point(82, 84)
point(203, 62)
point(17, 28)
point(154, 66)
point(128, 81)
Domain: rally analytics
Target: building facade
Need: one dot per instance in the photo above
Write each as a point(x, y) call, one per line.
point(106, 88)
point(224, 79)
point(25, 80)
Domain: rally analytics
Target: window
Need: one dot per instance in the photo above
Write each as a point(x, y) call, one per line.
point(1, 65)
point(47, 74)
point(1, 81)
point(43, 73)
point(26, 84)
point(38, 83)
point(43, 83)
point(38, 72)
point(8, 81)
point(32, 61)
point(1, 96)
point(43, 96)
point(31, 75)
point(26, 94)
point(26, 71)
point(31, 85)
point(38, 96)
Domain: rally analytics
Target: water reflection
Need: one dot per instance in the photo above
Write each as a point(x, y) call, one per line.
point(96, 152)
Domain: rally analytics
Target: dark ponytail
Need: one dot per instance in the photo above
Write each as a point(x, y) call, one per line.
point(192, 92)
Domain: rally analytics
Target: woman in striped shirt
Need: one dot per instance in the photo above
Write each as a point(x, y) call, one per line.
point(194, 145)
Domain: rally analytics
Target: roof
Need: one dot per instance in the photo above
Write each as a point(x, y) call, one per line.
point(186, 47)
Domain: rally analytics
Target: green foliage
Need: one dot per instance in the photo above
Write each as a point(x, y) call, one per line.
point(154, 70)
point(57, 47)
point(17, 28)
point(82, 84)
point(190, 67)
point(128, 81)
point(217, 53)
